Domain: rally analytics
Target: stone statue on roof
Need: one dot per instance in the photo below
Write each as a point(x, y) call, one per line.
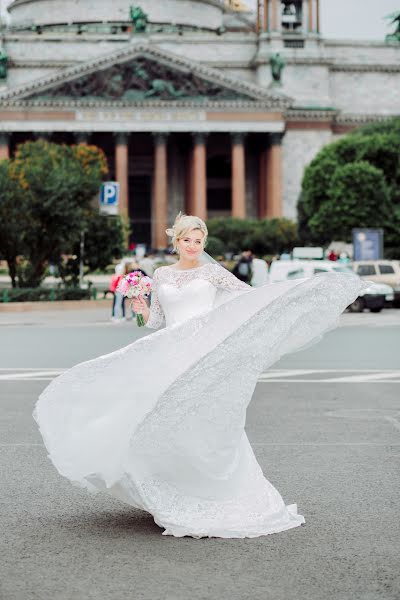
point(139, 19)
point(394, 20)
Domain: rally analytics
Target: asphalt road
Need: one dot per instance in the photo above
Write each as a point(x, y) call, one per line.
point(324, 424)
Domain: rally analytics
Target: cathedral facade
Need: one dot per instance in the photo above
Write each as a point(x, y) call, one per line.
point(199, 105)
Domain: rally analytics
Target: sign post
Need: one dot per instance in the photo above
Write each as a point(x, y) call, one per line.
point(109, 198)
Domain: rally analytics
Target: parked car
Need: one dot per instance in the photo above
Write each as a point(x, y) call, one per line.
point(376, 297)
point(381, 271)
point(373, 298)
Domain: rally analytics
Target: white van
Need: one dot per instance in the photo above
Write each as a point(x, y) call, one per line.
point(296, 269)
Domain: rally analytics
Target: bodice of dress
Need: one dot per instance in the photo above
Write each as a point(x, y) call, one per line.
point(178, 294)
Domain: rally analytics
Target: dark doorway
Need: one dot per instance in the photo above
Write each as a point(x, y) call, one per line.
point(140, 209)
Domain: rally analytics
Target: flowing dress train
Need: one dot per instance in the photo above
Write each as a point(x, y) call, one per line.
point(160, 423)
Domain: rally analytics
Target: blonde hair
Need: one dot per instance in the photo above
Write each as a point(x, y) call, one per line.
point(183, 224)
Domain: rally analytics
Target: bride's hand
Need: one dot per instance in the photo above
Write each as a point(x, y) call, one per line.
point(140, 306)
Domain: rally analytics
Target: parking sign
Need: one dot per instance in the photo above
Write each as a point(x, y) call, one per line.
point(109, 198)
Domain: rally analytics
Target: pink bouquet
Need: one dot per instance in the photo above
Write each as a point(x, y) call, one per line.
point(133, 285)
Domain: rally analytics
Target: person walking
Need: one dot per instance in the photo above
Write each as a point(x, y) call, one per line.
point(243, 268)
point(118, 305)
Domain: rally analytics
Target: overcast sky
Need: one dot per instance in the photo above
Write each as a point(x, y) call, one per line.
point(358, 19)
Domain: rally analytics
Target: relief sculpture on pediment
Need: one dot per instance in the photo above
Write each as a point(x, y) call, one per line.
point(138, 80)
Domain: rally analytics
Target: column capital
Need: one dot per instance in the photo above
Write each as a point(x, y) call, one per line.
point(275, 139)
point(238, 137)
point(199, 137)
point(160, 137)
point(121, 137)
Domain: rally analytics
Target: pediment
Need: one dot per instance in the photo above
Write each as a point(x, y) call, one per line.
point(140, 74)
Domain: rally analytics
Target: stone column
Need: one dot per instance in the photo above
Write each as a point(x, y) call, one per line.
point(122, 173)
point(275, 15)
point(238, 176)
point(189, 183)
point(262, 185)
point(311, 16)
point(262, 16)
point(199, 180)
point(274, 176)
point(159, 214)
point(4, 146)
point(266, 26)
point(318, 17)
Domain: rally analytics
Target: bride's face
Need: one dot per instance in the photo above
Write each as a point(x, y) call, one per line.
point(191, 245)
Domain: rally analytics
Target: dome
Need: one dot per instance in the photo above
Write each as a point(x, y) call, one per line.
point(203, 14)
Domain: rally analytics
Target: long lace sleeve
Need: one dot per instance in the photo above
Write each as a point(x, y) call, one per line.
point(156, 317)
point(224, 279)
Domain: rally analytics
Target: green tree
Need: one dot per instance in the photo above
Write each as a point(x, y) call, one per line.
point(323, 193)
point(13, 220)
point(355, 192)
point(58, 184)
point(104, 241)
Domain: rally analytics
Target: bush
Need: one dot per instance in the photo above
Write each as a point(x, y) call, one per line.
point(265, 236)
point(215, 247)
point(43, 294)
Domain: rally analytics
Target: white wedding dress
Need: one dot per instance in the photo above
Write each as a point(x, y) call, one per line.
point(159, 424)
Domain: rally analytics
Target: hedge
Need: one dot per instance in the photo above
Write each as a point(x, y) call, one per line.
point(43, 294)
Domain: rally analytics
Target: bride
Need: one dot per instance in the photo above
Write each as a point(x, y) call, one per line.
point(159, 424)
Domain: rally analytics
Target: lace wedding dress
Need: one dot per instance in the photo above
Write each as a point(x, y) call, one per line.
point(159, 424)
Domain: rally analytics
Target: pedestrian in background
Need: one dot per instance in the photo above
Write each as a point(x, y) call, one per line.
point(243, 268)
point(118, 305)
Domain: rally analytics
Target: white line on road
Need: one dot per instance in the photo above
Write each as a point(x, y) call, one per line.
point(374, 376)
point(380, 444)
point(20, 374)
point(287, 373)
point(28, 375)
point(339, 380)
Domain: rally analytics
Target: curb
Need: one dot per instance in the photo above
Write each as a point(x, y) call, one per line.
point(56, 305)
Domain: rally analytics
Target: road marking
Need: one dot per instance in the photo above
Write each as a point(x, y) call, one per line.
point(374, 376)
point(28, 375)
point(325, 381)
point(306, 376)
point(286, 373)
point(20, 444)
point(379, 444)
point(32, 369)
